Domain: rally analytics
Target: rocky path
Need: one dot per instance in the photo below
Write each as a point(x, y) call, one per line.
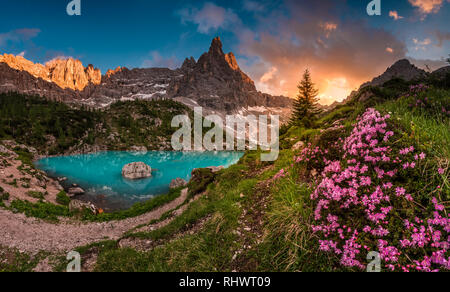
point(31, 235)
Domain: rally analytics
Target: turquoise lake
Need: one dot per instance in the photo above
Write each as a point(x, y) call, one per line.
point(100, 174)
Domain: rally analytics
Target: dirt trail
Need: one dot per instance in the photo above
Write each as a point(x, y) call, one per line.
point(31, 235)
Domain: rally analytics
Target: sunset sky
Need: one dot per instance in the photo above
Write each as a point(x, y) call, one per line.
point(274, 41)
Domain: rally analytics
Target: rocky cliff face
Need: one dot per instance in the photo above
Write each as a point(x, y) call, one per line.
point(217, 82)
point(15, 80)
point(66, 73)
point(214, 82)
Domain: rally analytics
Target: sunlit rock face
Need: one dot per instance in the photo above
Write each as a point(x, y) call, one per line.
point(66, 73)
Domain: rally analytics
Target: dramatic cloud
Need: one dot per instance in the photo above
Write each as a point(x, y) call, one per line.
point(394, 15)
point(427, 6)
point(340, 54)
point(209, 18)
point(18, 35)
point(158, 61)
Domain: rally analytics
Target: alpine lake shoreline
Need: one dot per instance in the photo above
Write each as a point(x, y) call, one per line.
point(118, 205)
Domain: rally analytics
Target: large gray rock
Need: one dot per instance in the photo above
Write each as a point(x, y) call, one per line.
point(75, 191)
point(178, 182)
point(136, 170)
point(299, 145)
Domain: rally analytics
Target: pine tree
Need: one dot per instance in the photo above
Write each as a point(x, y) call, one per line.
point(305, 107)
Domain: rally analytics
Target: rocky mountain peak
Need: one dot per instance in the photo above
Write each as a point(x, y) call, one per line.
point(70, 73)
point(189, 64)
point(216, 47)
point(401, 69)
point(22, 64)
point(66, 73)
point(110, 72)
point(217, 82)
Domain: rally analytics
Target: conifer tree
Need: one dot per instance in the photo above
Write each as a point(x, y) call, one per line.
point(305, 107)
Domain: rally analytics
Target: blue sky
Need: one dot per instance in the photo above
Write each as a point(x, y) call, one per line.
point(273, 40)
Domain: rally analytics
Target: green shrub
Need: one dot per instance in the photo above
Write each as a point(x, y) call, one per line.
point(41, 210)
point(4, 197)
point(62, 198)
point(201, 178)
point(36, 195)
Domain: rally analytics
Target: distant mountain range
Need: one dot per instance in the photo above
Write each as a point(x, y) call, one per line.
point(214, 82)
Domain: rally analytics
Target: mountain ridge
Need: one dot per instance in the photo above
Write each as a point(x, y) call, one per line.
point(215, 82)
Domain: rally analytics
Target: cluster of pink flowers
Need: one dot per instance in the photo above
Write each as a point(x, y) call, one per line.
point(356, 201)
point(310, 154)
point(280, 174)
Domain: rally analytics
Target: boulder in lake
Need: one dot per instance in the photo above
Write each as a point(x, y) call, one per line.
point(178, 182)
point(136, 170)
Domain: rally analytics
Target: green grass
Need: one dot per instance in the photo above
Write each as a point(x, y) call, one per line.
point(36, 195)
point(41, 210)
point(62, 198)
point(430, 130)
point(13, 261)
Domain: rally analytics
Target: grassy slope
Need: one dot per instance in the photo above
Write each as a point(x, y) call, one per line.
point(251, 223)
point(278, 214)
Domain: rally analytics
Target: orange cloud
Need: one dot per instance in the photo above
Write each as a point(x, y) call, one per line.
point(328, 27)
point(394, 14)
point(427, 6)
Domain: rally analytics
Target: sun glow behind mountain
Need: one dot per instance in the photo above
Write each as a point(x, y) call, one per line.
point(336, 89)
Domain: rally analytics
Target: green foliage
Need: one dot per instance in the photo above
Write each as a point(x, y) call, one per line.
point(305, 107)
point(201, 178)
point(29, 120)
point(428, 125)
point(41, 210)
point(36, 195)
point(339, 113)
point(13, 261)
point(4, 196)
point(56, 127)
point(62, 198)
